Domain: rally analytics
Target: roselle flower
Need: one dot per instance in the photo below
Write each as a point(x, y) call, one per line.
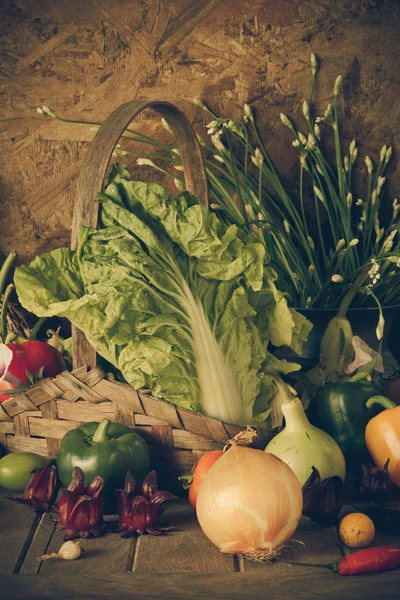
point(80, 508)
point(322, 500)
point(140, 513)
point(40, 490)
point(375, 483)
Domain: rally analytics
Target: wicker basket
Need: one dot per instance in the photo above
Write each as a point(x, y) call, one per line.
point(37, 420)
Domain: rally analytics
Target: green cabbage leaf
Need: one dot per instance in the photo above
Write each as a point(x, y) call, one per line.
point(179, 302)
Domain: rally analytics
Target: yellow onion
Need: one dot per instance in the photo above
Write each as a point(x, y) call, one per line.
point(249, 503)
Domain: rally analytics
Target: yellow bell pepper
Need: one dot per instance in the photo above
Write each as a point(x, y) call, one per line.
point(382, 436)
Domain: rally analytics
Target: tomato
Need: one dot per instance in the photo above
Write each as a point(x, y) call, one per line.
point(201, 468)
point(16, 469)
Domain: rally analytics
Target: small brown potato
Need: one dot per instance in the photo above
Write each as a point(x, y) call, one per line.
point(356, 530)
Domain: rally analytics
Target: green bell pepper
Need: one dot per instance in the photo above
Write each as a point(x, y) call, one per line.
point(339, 409)
point(106, 449)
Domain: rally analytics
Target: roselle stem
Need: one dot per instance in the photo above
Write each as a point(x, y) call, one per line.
point(381, 400)
point(100, 435)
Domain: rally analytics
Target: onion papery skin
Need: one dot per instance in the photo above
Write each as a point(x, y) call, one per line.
point(249, 503)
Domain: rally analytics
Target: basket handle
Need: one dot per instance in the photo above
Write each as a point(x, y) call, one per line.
point(94, 170)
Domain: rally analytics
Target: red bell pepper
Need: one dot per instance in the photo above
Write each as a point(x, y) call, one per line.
point(18, 361)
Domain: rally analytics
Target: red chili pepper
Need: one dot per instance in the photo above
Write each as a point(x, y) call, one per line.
point(371, 560)
point(28, 357)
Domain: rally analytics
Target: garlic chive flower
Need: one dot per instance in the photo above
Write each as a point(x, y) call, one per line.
point(380, 327)
point(165, 125)
point(258, 159)
point(374, 197)
point(352, 147)
point(211, 127)
point(216, 141)
point(318, 193)
point(306, 110)
point(338, 83)
point(179, 184)
point(370, 166)
point(287, 122)
point(388, 243)
point(382, 155)
point(346, 163)
point(178, 167)
point(286, 226)
point(381, 181)
point(219, 158)
point(353, 242)
point(317, 132)
point(341, 243)
point(314, 64)
point(373, 273)
point(145, 161)
point(199, 103)
point(389, 154)
point(349, 199)
point(45, 110)
point(248, 115)
point(311, 242)
point(118, 152)
point(337, 278)
point(302, 138)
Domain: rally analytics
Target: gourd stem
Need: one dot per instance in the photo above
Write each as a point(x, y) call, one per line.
point(100, 435)
point(281, 385)
point(382, 400)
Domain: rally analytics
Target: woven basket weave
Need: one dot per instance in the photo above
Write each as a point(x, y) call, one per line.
point(37, 420)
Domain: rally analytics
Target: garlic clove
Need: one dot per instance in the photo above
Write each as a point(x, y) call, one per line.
point(70, 550)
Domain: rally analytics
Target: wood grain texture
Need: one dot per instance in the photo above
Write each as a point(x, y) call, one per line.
point(86, 59)
point(183, 550)
point(17, 524)
point(194, 586)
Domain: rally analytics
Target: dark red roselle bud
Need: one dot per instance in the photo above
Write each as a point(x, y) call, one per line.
point(322, 500)
point(80, 508)
point(140, 513)
point(40, 491)
point(375, 483)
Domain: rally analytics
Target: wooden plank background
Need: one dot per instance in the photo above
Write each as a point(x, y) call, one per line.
point(84, 58)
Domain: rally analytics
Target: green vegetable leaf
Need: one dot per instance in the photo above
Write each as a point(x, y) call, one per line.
point(180, 303)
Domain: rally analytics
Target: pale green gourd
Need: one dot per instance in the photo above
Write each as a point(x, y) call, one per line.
point(301, 445)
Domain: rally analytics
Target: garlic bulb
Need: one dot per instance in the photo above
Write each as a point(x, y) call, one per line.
point(69, 551)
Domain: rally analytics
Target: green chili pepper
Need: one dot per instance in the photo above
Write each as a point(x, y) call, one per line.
point(106, 449)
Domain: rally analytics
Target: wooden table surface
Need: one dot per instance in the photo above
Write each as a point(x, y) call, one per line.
point(179, 564)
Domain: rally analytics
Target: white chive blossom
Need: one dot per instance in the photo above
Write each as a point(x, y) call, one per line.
point(337, 278)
